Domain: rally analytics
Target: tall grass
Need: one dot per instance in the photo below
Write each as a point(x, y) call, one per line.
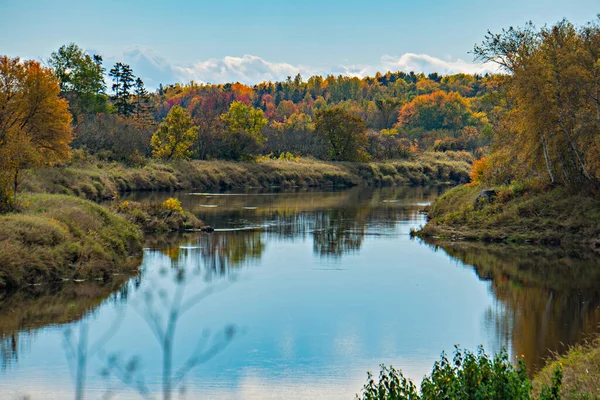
point(55, 237)
point(96, 180)
point(519, 213)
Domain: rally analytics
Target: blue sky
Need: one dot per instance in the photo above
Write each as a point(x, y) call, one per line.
point(207, 40)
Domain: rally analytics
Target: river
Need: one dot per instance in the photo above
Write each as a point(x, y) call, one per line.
point(295, 295)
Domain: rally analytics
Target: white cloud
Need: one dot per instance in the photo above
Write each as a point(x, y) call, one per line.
point(428, 64)
point(250, 69)
point(247, 69)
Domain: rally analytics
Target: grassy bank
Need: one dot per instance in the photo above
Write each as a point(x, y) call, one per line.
point(580, 372)
point(56, 237)
point(516, 214)
point(97, 180)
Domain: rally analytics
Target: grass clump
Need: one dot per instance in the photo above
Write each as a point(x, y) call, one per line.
point(56, 237)
point(167, 216)
point(467, 376)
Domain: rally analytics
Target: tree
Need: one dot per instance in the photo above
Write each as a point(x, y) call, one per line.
point(438, 110)
point(81, 79)
point(123, 79)
point(345, 132)
point(244, 125)
point(387, 107)
point(35, 123)
point(143, 112)
point(552, 124)
point(175, 135)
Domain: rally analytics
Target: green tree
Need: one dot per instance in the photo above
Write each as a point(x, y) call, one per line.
point(124, 80)
point(345, 132)
point(81, 79)
point(175, 135)
point(244, 125)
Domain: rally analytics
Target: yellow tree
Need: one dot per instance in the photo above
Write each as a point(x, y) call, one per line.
point(175, 135)
point(35, 124)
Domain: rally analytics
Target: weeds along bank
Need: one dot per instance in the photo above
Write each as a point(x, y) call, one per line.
point(97, 180)
point(516, 213)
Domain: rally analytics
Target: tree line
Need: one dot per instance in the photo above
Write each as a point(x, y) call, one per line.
point(538, 118)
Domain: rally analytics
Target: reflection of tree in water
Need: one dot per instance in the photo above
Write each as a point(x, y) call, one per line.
point(24, 312)
point(224, 251)
point(217, 253)
point(338, 232)
point(548, 298)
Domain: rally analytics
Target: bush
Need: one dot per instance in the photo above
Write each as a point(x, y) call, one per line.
point(468, 376)
point(172, 204)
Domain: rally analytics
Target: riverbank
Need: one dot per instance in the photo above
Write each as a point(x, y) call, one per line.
point(580, 369)
point(52, 238)
point(98, 180)
point(517, 214)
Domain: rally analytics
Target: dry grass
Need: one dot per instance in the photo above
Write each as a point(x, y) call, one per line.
point(97, 180)
point(56, 237)
point(519, 214)
point(580, 369)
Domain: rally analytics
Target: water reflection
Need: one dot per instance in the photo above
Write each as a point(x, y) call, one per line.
point(24, 312)
point(548, 298)
point(318, 288)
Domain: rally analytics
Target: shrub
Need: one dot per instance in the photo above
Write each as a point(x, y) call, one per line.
point(172, 204)
point(468, 376)
point(479, 171)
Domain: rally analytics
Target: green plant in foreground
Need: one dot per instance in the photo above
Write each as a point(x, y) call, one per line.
point(467, 376)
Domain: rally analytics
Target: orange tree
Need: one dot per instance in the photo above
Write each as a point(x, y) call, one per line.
point(35, 124)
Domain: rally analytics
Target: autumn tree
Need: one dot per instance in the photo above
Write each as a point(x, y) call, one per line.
point(81, 79)
point(438, 110)
point(243, 133)
point(124, 81)
point(345, 132)
point(35, 123)
point(553, 122)
point(175, 135)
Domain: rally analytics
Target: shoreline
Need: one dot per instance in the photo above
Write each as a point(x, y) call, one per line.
point(542, 217)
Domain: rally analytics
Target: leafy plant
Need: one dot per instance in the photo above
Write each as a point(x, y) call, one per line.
point(467, 376)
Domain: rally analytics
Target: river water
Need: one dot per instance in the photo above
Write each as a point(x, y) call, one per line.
point(296, 295)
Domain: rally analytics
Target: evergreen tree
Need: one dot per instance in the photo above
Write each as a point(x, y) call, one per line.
point(123, 79)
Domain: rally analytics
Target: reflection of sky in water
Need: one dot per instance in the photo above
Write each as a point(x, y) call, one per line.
point(310, 325)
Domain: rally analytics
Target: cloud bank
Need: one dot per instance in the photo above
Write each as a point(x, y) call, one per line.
point(249, 69)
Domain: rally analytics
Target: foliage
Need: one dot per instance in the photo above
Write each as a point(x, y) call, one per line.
point(114, 137)
point(551, 126)
point(345, 132)
point(438, 110)
point(35, 124)
point(175, 136)
point(81, 79)
point(467, 376)
point(124, 81)
point(172, 204)
point(244, 125)
point(479, 171)
point(167, 216)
